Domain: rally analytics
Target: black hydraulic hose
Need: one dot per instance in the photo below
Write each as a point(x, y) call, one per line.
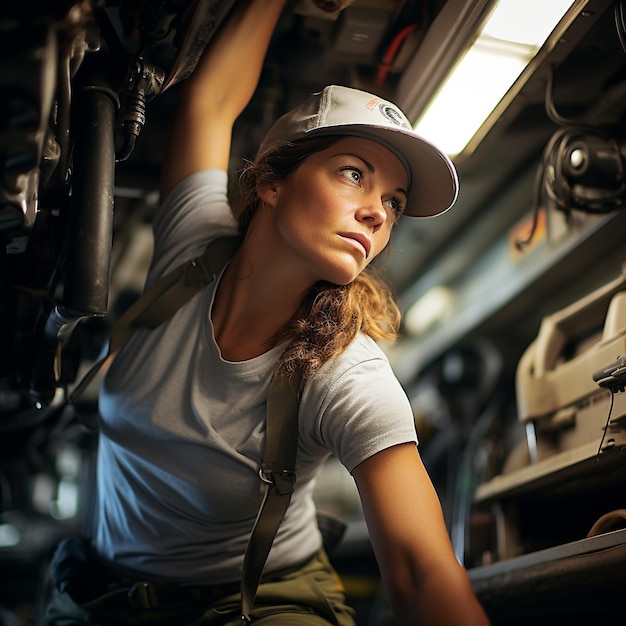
point(91, 228)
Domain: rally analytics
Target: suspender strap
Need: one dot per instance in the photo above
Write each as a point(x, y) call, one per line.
point(278, 468)
point(278, 472)
point(164, 298)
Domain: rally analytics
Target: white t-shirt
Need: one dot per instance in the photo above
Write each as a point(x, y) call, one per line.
point(182, 430)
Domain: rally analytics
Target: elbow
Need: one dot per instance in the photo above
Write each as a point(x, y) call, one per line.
point(402, 585)
point(437, 596)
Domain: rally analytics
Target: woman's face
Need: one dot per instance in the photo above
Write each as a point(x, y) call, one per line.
point(335, 213)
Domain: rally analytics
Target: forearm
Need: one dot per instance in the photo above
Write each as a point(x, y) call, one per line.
point(424, 582)
point(218, 90)
point(228, 72)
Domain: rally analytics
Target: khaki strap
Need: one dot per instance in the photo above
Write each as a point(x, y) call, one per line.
point(278, 469)
point(278, 472)
point(163, 299)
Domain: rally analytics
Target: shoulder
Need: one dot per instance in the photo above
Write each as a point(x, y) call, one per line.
point(200, 198)
point(360, 406)
point(363, 360)
point(195, 211)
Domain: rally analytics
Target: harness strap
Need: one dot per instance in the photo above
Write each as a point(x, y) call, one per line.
point(278, 472)
point(163, 299)
point(159, 303)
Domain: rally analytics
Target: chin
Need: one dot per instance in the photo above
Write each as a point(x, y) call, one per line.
point(341, 280)
point(342, 272)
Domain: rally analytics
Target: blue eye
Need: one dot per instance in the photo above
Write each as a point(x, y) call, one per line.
point(395, 204)
point(352, 173)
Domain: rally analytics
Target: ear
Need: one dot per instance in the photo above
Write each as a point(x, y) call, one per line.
point(268, 192)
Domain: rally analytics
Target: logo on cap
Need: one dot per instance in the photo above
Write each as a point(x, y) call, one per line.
point(393, 115)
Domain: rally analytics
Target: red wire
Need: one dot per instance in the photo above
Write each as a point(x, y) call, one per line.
point(392, 50)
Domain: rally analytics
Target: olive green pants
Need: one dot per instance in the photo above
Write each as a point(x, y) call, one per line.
point(311, 595)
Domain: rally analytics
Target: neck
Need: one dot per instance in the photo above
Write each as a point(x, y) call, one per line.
point(252, 305)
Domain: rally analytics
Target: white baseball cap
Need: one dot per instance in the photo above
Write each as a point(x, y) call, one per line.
point(337, 110)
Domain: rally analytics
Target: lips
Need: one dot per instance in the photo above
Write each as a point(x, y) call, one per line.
point(361, 240)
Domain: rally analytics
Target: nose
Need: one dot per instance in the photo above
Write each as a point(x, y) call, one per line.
point(372, 212)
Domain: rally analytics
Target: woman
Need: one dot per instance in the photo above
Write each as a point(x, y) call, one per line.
point(183, 405)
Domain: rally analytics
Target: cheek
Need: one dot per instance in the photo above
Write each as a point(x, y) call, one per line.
point(308, 198)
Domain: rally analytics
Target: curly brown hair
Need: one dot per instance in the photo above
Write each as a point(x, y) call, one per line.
point(330, 316)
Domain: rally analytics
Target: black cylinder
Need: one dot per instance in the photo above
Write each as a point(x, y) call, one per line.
point(91, 226)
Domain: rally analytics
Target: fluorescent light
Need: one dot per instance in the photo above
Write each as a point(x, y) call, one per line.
point(507, 43)
point(470, 93)
point(529, 22)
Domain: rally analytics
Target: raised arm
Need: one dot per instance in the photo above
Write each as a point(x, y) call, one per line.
point(424, 582)
point(216, 93)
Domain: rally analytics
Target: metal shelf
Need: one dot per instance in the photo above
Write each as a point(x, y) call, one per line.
point(582, 580)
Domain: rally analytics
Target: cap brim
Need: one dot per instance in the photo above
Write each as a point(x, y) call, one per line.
point(434, 185)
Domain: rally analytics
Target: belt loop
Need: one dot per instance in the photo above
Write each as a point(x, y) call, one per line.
point(143, 595)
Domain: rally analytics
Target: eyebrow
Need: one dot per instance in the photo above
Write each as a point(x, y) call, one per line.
point(372, 169)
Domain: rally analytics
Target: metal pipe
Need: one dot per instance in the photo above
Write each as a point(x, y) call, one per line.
point(91, 225)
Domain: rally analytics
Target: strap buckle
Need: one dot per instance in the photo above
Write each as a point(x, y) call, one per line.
point(282, 481)
point(266, 476)
point(143, 595)
point(198, 273)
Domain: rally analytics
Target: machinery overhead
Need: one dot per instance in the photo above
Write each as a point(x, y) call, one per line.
point(513, 342)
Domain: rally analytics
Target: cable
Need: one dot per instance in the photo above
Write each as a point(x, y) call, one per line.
point(608, 522)
point(606, 426)
point(551, 111)
point(390, 55)
point(468, 477)
point(585, 171)
point(519, 243)
point(581, 168)
point(539, 187)
point(620, 24)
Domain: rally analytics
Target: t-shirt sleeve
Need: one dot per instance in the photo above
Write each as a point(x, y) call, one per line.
point(195, 211)
point(363, 410)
